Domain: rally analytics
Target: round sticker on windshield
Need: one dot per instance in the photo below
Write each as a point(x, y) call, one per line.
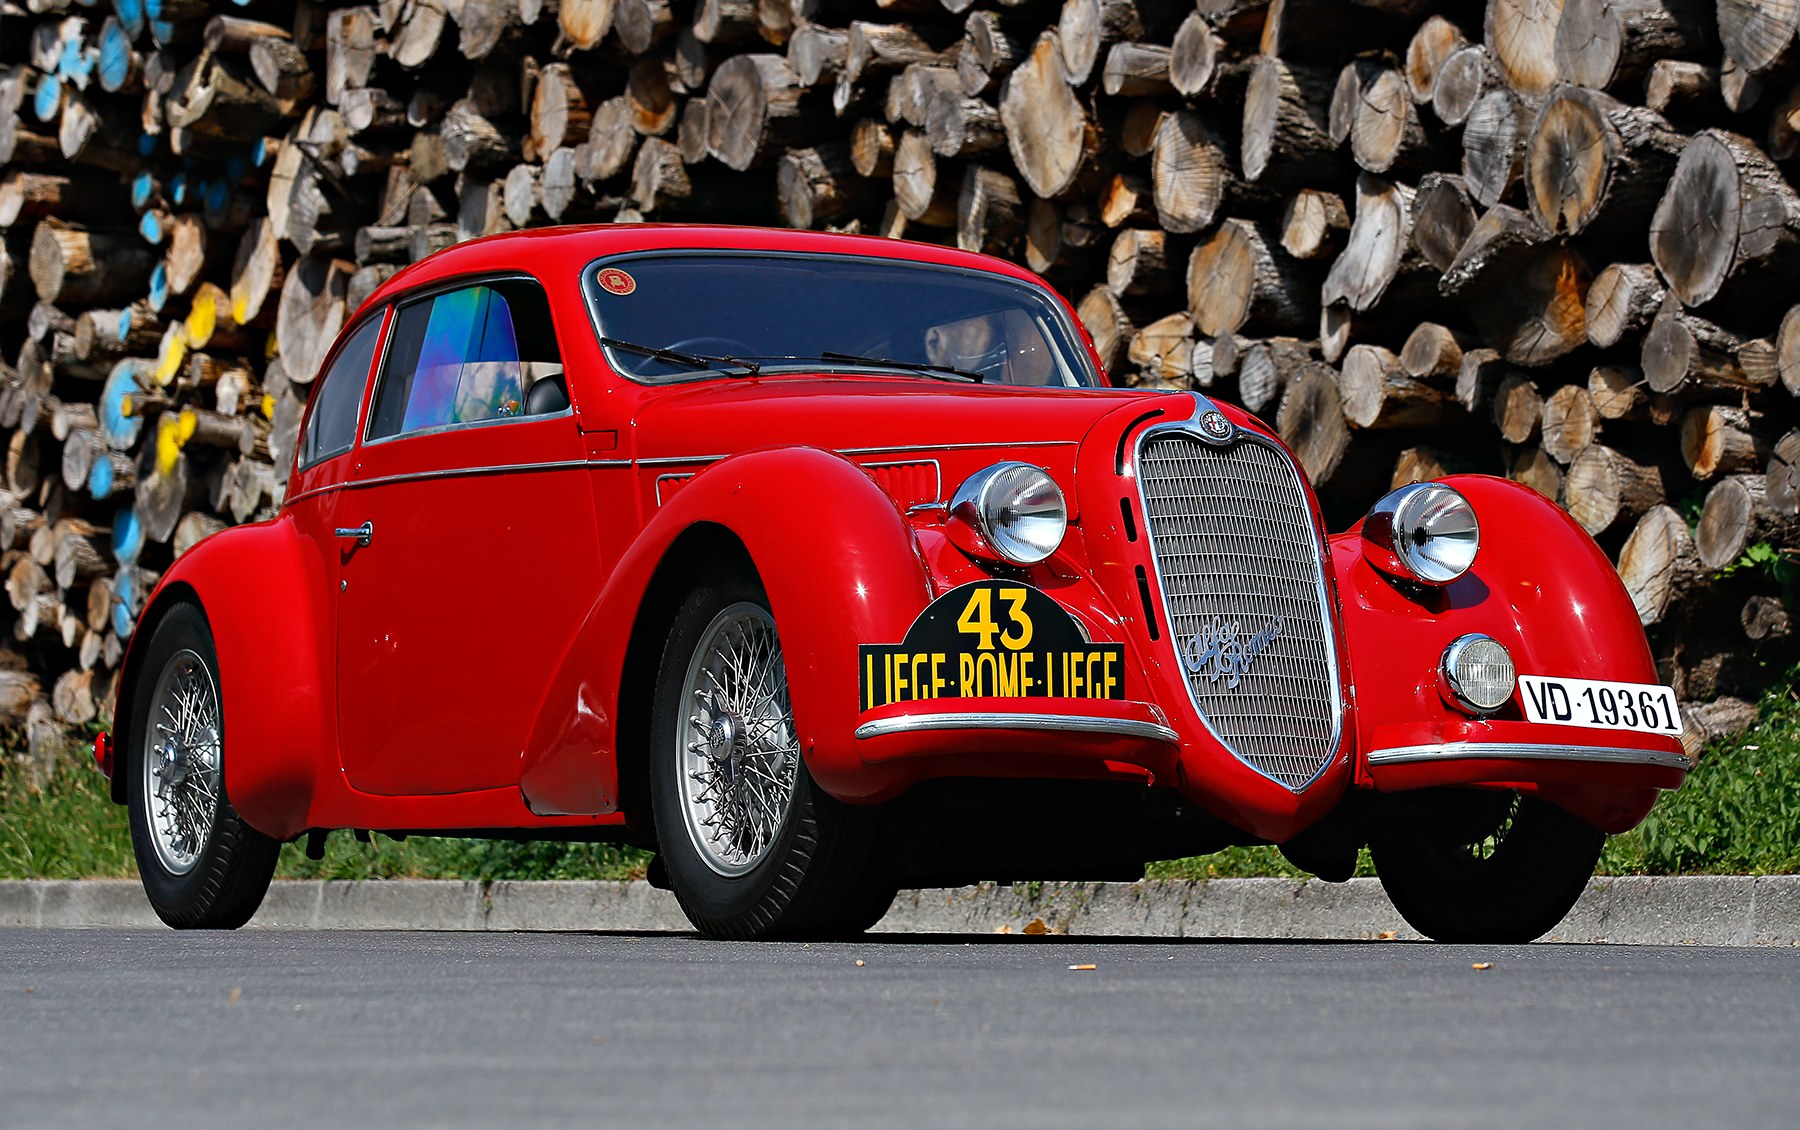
point(614, 281)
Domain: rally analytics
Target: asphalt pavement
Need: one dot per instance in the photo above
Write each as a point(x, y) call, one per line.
point(309, 1029)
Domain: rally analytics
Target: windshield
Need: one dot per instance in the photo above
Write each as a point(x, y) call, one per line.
point(673, 317)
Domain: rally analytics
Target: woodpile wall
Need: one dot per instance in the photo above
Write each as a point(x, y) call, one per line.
point(1551, 239)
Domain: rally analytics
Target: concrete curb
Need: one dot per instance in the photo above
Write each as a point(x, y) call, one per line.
point(1698, 910)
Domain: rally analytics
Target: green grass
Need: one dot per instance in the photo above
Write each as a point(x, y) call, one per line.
point(1738, 814)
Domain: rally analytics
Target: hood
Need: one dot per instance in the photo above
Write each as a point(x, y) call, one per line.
point(855, 414)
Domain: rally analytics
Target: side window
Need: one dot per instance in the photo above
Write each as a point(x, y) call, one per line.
point(468, 356)
point(331, 430)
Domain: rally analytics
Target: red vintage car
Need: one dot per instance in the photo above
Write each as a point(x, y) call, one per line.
point(827, 565)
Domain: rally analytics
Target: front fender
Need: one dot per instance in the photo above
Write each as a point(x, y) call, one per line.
point(1541, 587)
point(273, 685)
point(840, 566)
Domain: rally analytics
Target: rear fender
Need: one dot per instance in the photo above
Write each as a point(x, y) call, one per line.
point(273, 686)
point(840, 567)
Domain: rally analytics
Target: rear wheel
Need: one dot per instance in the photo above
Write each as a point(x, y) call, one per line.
point(751, 844)
point(1470, 865)
point(201, 865)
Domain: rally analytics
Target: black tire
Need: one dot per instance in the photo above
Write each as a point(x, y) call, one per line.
point(1468, 865)
point(814, 876)
point(219, 885)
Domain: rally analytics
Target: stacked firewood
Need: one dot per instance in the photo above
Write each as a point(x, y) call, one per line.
point(1550, 239)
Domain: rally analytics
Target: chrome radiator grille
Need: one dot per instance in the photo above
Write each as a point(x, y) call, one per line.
point(1238, 559)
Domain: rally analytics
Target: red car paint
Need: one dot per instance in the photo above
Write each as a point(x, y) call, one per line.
point(473, 666)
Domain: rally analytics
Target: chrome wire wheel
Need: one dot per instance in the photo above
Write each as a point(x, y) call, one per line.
point(181, 766)
point(737, 759)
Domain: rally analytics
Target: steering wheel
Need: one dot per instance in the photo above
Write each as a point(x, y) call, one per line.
point(716, 346)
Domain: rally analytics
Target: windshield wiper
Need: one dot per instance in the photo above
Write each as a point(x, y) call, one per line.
point(908, 366)
point(697, 360)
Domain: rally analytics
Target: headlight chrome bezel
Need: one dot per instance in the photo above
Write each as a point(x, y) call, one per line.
point(1457, 688)
point(1403, 523)
point(979, 514)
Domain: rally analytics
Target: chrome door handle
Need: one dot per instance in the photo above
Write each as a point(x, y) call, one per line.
point(363, 534)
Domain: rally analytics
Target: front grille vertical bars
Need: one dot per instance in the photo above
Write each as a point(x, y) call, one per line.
point(1235, 548)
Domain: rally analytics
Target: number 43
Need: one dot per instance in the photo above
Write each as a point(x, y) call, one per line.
point(977, 619)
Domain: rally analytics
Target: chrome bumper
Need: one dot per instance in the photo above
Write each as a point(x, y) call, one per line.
point(1051, 723)
point(1518, 751)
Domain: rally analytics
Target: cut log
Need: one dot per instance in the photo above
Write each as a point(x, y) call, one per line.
point(1127, 201)
point(311, 313)
point(561, 108)
point(1783, 475)
point(642, 24)
point(1611, 43)
point(1766, 618)
point(1265, 368)
point(1239, 277)
point(1532, 467)
point(1087, 27)
point(1286, 125)
point(959, 126)
point(1465, 76)
point(1757, 34)
point(1377, 392)
point(816, 185)
point(1618, 392)
point(1442, 218)
point(876, 49)
point(1047, 131)
point(1737, 515)
point(1379, 243)
point(1728, 214)
point(919, 193)
point(1493, 146)
point(817, 53)
point(1194, 56)
point(611, 141)
point(350, 50)
point(1062, 239)
point(1311, 421)
point(475, 143)
point(1431, 46)
point(1527, 297)
point(1164, 349)
point(1518, 409)
point(1432, 351)
point(1570, 423)
point(1139, 264)
point(77, 267)
point(1590, 159)
point(1718, 440)
point(1314, 224)
point(1521, 36)
point(1103, 316)
point(1137, 70)
point(1685, 351)
point(1676, 85)
point(754, 110)
point(659, 179)
point(1623, 299)
point(1386, 134)
point(1659, 563)
point(1189, 172)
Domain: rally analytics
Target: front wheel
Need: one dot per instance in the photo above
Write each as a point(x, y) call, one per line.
point(1470, 865)
point(202, 866)
point(752, 846)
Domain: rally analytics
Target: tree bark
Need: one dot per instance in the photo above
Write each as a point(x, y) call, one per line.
point(1240, 277)
point(1659, 563)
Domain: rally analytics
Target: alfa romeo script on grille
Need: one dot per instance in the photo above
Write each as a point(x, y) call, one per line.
point(991, 639)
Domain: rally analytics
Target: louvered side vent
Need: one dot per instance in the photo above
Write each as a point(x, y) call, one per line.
point(908, 483)
point(1239, 562)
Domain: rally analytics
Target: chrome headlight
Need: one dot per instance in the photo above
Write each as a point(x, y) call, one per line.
point(1477, 674)
point(1014, 510)
point(1422, 532)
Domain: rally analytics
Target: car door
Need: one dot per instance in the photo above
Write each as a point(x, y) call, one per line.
point(468, 553)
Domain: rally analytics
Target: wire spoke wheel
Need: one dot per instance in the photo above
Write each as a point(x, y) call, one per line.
point(181, 762)
point(738, 756)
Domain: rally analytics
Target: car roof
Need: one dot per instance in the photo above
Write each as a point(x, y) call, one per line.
point(567, 249)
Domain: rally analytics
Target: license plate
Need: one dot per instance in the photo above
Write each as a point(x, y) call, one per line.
point(1600, 704)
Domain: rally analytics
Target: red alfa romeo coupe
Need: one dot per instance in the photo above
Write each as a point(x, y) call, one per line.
point(826, 565)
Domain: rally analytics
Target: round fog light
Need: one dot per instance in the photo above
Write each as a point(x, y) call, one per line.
point(1478, 675)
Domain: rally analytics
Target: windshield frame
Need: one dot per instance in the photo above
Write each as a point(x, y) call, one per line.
point(1075, 342)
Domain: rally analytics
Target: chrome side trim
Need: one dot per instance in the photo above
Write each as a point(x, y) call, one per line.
point(1523, 751)
point(894, 449)
point(1055, 723)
